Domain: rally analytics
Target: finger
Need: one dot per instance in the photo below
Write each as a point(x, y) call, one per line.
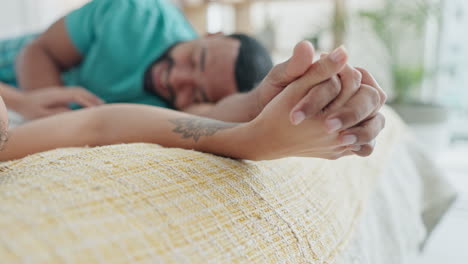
point(318, 72)
point(71, 96)
point(350, 82)
point(288, 71)
point(325, 68)
point(368, 79)
point(365, 132)
point(356, 110)
point(315, 100)
point(92, 98)
point(366, 149)
point(340, 154)
point(68, 97)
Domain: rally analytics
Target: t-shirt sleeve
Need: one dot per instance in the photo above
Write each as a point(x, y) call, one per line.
point(82, 23)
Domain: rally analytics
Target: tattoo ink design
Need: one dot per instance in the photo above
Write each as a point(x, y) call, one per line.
point(197, 127)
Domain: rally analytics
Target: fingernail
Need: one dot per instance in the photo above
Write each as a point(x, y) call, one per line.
point(349, 139)
point(298, 117)
point(356, 148)
point(333, 125)
point(338, 55)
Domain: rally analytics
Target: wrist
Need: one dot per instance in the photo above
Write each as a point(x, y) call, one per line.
point(246, 141)
point(255, 103)
point(234, 142)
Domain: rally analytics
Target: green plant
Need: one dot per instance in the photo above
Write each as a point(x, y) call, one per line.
point(392, 24)
point(406, 79)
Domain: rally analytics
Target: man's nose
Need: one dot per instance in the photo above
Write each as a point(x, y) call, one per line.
point(181, 77)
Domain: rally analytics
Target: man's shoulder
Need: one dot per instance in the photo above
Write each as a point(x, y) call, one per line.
point(149, 5)
point(129, 5)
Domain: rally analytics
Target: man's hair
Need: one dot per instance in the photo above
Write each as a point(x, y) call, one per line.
point(253, 62)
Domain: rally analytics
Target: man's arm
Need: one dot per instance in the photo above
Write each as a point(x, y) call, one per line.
point(246, 106)
point(41, 63)
point(45, 102)
point(240, 107)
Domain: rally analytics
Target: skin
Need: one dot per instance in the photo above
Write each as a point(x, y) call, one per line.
point(46, 102)
point(272, 131)
point(202, 72)
point(207, 92)
point(203, 69)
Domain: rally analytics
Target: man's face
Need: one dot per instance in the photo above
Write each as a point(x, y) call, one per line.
point(198, 71)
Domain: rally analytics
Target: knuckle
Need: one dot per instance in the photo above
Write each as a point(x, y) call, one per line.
point(276, 69)
point(363, 71)
point(333, 86)
point(357, 77)
point(369, 151)
point(372, 93)
point(306, 104)
point(365, 135)
point(383, 96)
point(380, 119)
point(366, 151)
point(351, 116)
point(321, 68)
point(335, 81)
point(384, 121)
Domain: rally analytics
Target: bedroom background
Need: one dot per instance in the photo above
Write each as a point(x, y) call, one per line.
point(282, 23)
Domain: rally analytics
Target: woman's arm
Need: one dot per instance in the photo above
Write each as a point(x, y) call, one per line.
point(121, 123)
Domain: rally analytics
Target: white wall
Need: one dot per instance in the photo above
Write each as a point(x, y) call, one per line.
point(453, 59)
point(22, 16)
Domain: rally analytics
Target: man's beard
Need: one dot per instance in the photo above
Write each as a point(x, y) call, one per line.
point(148, 84)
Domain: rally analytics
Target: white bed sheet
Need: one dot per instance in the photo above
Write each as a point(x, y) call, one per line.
point(406, 206)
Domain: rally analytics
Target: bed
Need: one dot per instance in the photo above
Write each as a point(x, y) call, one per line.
point(141, 203)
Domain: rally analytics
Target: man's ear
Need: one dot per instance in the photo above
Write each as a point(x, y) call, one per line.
point(216, 34)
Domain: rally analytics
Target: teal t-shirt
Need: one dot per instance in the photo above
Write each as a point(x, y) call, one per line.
point(118, 40)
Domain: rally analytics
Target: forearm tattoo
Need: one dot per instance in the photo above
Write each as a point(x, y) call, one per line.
point(195, 127)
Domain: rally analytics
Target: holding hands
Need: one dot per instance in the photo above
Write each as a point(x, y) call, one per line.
point(324, 109)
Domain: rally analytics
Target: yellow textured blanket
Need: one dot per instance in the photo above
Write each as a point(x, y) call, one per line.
point(143, 203)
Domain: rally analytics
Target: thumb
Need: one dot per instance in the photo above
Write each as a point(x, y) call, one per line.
point(285, 73)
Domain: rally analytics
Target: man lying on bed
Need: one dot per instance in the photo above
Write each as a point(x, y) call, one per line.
point(136, 51)
point(132, 51)
point(109, 45)
point(304, 113)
